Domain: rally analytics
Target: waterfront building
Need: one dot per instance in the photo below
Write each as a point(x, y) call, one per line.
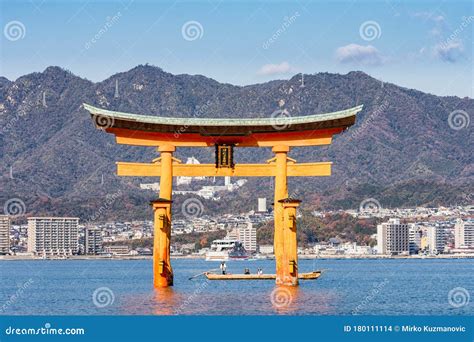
point(233, 234)
point(414, 239)
point(248, 237)
point(245, 233)
point(381, 239)
point(4, 234)
point(393, 237)
point(464, 234)
point(93, 241)
point(53, 236)
point(117, 249)
point(266, 249)
point(437, 238)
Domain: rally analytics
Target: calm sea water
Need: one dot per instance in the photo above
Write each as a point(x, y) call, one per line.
point(123, 287)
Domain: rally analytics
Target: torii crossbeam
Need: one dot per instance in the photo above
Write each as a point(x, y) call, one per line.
point(280, 133)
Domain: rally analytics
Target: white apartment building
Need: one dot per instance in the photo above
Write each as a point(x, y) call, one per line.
point(393, 237)
point(93, 241)
point(248, 237)
point(436, 238)
point(464, 234)
point(246, 233)
point(262, 205)
point(266, 249)
point(50, 236)
point(414, 238)
point(4, 234)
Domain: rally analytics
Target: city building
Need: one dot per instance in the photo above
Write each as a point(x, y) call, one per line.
point(393, 237)
point(4, 234)
point(53, 236)
point(262, 205)
point(415, 236)
point(117, 249)
point(437, 238)
point(93, 241)
point(248, 237)
point(464, 234)
point(246, 233)
point(266, 249)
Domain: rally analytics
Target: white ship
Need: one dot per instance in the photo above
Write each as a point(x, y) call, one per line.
point(220, 250)
point(225, 249)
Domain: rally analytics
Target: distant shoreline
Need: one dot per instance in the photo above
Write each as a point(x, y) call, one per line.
point(194, 257)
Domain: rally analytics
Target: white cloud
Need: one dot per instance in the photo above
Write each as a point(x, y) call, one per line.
point(359, 54)
point(449, 51)
point(273, 69)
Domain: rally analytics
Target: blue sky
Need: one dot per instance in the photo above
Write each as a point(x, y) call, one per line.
point(426, 45)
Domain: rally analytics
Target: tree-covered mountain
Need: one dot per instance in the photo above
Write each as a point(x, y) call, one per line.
point(402, 150)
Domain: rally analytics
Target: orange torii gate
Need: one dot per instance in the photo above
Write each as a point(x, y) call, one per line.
point(280, 133)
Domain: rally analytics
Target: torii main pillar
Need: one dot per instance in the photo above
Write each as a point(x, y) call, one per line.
point(162, 271)
point(284, 210)
point(281, 192)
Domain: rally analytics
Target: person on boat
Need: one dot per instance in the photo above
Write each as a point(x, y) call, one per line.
point(223, 267)
point(246, 271)
point(259, 271)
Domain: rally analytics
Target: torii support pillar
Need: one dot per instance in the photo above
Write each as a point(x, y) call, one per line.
point(290, 255)
point(281, 192)
point(162, 271)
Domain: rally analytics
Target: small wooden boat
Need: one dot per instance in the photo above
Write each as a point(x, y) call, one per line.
point(302, 276)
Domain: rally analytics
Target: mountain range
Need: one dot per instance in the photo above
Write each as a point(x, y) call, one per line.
point(404, 150)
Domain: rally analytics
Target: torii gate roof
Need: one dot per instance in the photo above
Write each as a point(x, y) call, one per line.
point(222, 126)
point(170, 132)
